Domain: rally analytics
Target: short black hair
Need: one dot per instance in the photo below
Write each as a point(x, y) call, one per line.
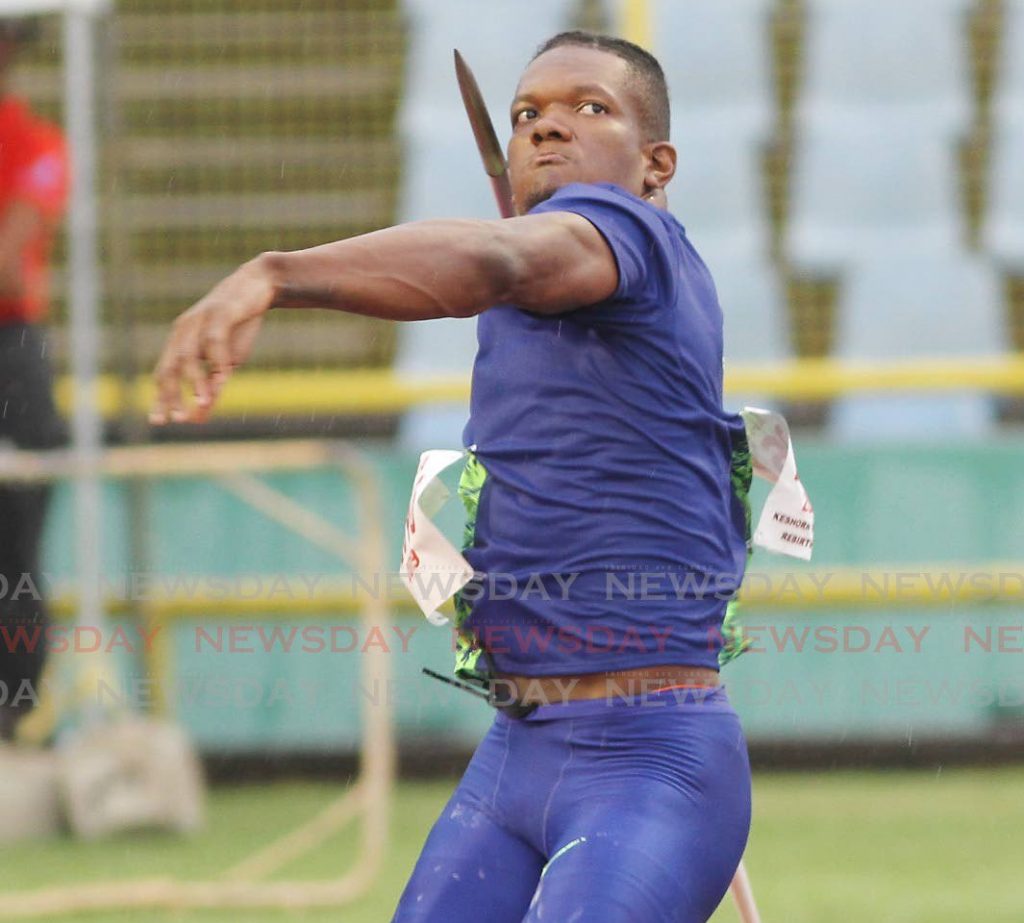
point(651, 90)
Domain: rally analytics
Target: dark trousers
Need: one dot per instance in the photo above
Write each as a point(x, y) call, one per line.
point(29, 419)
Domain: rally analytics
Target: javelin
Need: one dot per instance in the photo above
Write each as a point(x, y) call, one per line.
point(486, 140)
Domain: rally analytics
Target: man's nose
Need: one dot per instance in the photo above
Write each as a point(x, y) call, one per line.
point(550, 128)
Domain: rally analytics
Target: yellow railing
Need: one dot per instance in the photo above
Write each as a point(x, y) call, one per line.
point(382, 391)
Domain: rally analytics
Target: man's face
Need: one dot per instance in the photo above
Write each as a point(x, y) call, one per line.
point(574, 120)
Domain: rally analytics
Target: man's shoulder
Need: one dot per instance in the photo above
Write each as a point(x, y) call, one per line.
point(612, 205)
point(602, 193)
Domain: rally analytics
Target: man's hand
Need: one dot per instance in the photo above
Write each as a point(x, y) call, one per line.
point(208, 342)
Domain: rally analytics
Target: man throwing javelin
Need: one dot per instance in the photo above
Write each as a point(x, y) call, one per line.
point(602, 468)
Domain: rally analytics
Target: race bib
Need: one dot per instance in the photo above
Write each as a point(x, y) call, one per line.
point(786, 525)
point(432, 568)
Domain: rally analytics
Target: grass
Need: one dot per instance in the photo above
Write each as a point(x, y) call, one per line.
point(896, 847)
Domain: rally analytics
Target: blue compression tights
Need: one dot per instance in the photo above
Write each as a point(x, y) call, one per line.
point(592, 812)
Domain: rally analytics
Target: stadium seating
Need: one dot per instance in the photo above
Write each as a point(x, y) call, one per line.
point(717, 194)
point(871, 186)
point(717, 61)
point(754, 311)
point(750, 294)
point(885, 93)
point(900, 307)
point(1004, 223)
point(1010, 88)
point(910, 54)
point(1003, 228)
point(290, 123)
point(229, 128)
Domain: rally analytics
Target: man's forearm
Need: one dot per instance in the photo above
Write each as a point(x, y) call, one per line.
point(545, 263)
point(413, 271)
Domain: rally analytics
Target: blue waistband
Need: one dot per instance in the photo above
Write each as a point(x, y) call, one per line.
point(712, 698)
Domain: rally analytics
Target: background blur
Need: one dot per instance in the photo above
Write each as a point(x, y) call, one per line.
point(851, 171)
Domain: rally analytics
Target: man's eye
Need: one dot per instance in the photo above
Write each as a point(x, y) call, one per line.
point(593, 108)
point(524, 115)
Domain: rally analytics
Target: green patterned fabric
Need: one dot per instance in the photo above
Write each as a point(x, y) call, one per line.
point(467, 654)
point(742, 473)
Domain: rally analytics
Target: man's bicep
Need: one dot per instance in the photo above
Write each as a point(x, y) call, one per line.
point(563, 262)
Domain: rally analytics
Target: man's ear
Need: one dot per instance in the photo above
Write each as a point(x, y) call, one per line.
point(661, 165)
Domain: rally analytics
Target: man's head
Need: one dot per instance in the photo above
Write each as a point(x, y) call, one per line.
point(590, 108)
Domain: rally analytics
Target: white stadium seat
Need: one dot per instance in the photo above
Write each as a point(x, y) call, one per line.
point(717, 61)
point(756, 326)
point(754, 310)
point(907, 53)
point(1004, 221)
point(900, 307)
point(869, 187)
point(1009, 89)
point(1003, 228)
point(717, 193)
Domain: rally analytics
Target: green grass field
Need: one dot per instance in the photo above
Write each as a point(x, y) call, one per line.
point(942, 847)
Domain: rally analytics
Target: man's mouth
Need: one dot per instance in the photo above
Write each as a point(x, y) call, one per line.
point(549, 158)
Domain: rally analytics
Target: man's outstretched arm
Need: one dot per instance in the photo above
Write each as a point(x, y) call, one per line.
point(545, 263)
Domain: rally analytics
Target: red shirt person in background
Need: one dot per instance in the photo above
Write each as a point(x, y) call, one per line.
point(33, 191)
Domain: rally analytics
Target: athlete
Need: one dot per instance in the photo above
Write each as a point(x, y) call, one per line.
point(606, 491)
point(33, 191)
